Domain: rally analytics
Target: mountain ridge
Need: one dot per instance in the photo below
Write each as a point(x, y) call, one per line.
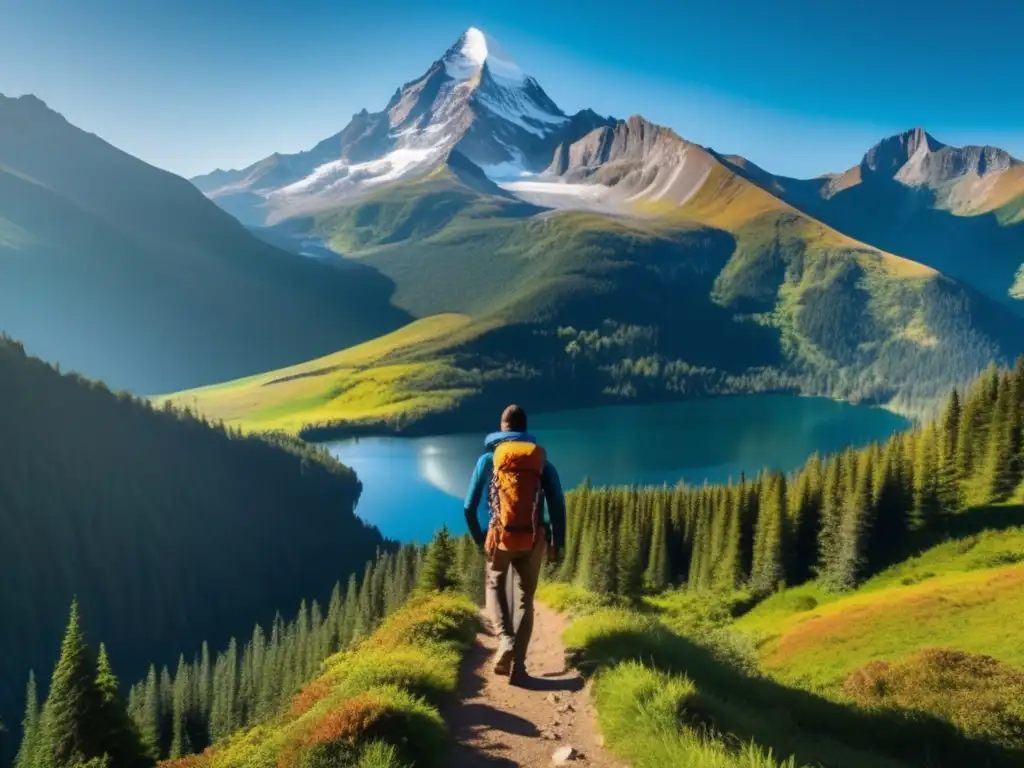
point(127, 272)
point(927, 201)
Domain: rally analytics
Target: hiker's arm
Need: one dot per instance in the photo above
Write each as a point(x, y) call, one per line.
point(556, 505)
point(481, 475)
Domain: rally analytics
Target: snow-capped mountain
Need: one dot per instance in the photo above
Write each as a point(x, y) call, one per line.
point(474, 99)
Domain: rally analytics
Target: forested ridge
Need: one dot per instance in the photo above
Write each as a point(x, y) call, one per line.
point(838, 519)
point(85, 722)
point(169, 530)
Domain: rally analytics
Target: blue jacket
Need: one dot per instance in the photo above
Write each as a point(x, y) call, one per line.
point(550, 484)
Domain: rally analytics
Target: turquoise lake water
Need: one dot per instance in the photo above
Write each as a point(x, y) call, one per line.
point(411, 486)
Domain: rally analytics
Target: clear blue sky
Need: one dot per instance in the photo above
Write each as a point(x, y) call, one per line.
point(799, 86)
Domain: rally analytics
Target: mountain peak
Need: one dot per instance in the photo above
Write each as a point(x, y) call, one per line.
point(894, 152)
point(474, 50)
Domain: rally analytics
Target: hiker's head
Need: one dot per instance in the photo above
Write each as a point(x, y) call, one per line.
point(513, 419)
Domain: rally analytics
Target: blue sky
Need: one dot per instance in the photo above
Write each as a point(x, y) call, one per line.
point(801, 87)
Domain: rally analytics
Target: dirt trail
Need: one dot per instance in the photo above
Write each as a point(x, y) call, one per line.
point(497, 724)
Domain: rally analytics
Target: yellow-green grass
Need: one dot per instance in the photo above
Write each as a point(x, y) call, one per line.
point(965, 593)
point(663, 699)
point(397, 375)
point(730, 202)
point(979, 612)
point(958, 556)
point(373, 706)
point(639, 713)
point(828, 666)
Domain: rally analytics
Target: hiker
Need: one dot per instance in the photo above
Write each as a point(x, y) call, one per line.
point(518, 478)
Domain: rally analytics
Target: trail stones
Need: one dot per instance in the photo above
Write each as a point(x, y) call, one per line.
point(564, 755)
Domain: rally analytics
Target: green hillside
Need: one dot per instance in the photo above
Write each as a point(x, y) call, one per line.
point(734, 292)
point(168, 530)
point(127, 273)
point(374, 706)
point(778, 619)
point(968, 228)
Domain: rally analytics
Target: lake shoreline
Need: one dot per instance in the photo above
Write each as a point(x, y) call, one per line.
point(413, 484)
point(463, 421)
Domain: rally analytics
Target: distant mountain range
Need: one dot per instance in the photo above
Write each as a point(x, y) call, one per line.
point(957, 210)
point(611, 256)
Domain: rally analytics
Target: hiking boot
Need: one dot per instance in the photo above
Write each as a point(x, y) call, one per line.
point(503, 658)
point(519, 677)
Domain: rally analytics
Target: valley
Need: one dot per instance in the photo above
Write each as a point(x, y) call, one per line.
point(541, 232)
point(787, 414)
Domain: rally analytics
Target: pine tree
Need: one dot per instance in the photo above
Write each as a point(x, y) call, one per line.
point(303, 656)
point(318, 650)
point(30, 727)
point(116, 731)
point(927, 503)
point(364, 605)
point(335, 609)
point(180, 743)
point(204, 686)
point(950, 494)
point(350, 613)
point(805, 523)
point(768, 569)
point(166, 692)
point(629, 571)
point(845, 568)
point(1000, 472)
point(438, 572)
point(727, 569)
point(831, 516)
point(656, 577)
point(68, 724)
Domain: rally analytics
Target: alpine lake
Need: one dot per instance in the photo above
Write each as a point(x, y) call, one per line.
point(411, 486)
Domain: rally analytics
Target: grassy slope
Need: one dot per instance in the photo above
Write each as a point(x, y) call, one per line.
point(965, 593)
point(785, 301)
point(971, 230)
point(671, 687)
point(374, 706)
point(397, 374)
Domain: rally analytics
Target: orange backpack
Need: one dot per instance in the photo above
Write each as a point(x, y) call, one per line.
point(515, 496)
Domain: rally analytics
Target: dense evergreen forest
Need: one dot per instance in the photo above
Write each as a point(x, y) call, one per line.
point(168, 530)
point(838, 519)
point(85, 722)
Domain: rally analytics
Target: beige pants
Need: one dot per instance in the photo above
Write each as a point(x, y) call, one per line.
point(510, 600)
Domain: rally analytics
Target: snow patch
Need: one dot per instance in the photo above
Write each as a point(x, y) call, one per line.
point(475, 49)
point(557, 188)
point(515, 107)
point(391, 166)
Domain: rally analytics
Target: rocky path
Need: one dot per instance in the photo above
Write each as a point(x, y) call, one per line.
point(500, 725)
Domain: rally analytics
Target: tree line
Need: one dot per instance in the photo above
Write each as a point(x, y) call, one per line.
point(838, 519)
point(85, 723)
point(169, 529)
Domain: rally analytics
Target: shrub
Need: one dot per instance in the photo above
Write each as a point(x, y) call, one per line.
point(430, 671)
point(981, 696)
point(801, 603)
point(440, 618)
point(308, 697)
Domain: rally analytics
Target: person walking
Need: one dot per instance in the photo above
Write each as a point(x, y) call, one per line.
point(518, 479)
